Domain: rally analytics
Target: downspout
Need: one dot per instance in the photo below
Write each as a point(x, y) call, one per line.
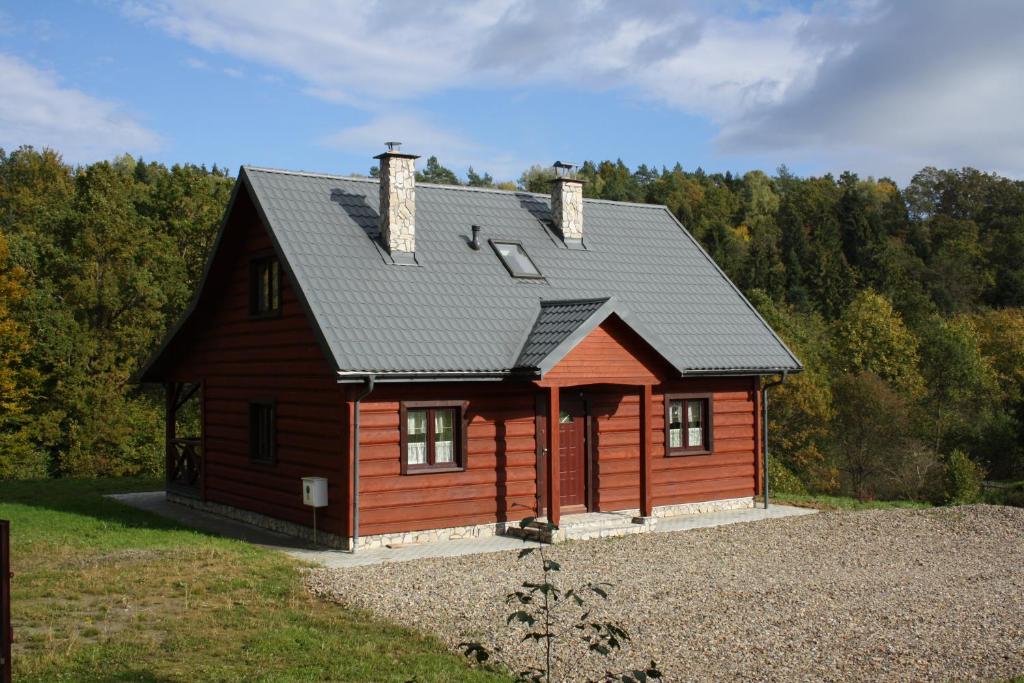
point(370, 379)
point(764, 434)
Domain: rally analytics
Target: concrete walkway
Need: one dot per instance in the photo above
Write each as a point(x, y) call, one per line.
point(155, 502)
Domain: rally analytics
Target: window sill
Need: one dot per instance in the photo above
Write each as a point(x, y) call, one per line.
point(678, 453)
point(432, 470)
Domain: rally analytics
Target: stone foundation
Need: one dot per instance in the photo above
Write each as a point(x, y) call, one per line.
point(597, 525)
point(262, 521)
point(704, 507)
point(341, 542)
point(454, 533)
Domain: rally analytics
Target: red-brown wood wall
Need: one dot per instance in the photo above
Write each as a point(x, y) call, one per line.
point(239, 358)
point(499, 481)
point(611, 353)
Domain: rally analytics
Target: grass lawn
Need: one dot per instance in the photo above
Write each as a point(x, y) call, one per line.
point(842, 502)
point(103, 592)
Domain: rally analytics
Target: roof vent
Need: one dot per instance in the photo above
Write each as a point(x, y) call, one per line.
point(474, 243)
point(567, 203)
point(397, 199)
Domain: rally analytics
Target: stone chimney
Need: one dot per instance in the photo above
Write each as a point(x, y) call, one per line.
point(397, 199)
point(567, 203)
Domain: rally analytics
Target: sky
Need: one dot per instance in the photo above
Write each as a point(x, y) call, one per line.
point(879, 87)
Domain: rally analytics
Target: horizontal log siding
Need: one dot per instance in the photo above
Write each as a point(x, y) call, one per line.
point(498, 484)
point(727, 472)
point(611, 353)
point(240, 359)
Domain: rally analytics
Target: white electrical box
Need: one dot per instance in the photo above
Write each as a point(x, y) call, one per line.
point(314, 491)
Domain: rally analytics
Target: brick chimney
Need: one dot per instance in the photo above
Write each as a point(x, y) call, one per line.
point(397, 199)
point(567, 203)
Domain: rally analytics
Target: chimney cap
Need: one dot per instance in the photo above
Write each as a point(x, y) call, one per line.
point(565, 170)
point(395, 150)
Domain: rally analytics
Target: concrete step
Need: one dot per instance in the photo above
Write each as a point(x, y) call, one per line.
point(584, 527)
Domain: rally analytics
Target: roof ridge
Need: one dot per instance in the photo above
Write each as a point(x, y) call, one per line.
point(438, 186)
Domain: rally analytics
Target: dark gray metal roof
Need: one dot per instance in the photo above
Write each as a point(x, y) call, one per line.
point(457, 310)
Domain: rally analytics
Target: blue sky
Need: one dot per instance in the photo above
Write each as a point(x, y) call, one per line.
point(878, 88)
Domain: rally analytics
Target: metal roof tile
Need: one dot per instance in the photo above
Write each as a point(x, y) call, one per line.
point(460, 311)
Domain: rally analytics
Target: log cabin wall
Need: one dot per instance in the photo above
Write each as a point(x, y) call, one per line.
point(729, 470)
point(240, 358)
point(499, 480)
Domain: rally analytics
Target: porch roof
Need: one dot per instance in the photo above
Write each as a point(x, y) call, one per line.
point(561, 324)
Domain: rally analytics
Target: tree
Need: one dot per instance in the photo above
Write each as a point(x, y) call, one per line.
point(869, 434)
point(476, 180)
point(871, 337)
point(18, 458)
point(435, 173)
point(801, 407)
point(109, 255)
point(963, 398)
point(536, 179)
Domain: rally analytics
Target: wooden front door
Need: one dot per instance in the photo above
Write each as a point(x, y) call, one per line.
point(572, 440)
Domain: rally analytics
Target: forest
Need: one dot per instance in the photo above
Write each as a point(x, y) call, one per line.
point(905, 304)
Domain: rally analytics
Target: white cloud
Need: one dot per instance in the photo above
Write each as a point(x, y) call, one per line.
point(852, 83)
point(36, 110)
point(922, 83)
point(365, 53)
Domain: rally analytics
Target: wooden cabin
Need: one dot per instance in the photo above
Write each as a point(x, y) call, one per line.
point(452, 360)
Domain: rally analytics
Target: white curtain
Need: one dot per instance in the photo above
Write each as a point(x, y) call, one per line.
point(675, 424)
point(696, 430)
point(443, 433)
point(416, 428)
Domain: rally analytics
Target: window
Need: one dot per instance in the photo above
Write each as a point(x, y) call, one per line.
point(265, 288)
point(516, 260)
point(432, 437)
point(687, 424)
point(262, 432)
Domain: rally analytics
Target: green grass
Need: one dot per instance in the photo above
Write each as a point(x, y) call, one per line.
point(821, 502)
point(1004, 493)
point(103, 592)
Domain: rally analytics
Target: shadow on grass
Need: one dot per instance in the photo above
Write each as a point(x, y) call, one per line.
point(87, 498)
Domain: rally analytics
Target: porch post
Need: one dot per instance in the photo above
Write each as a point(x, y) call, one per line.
point(554, 452)
point(170, 418)
point(645, 451)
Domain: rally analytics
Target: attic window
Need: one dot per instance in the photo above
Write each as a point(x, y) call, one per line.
point(515, 259)
point(264, 287)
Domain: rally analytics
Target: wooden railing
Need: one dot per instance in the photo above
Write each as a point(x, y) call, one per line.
point(184, 463)
point(184, 456)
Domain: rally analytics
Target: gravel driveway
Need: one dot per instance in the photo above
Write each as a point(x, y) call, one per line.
point(888, 595)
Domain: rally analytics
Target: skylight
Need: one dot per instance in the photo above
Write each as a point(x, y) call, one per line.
point(516, 260)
